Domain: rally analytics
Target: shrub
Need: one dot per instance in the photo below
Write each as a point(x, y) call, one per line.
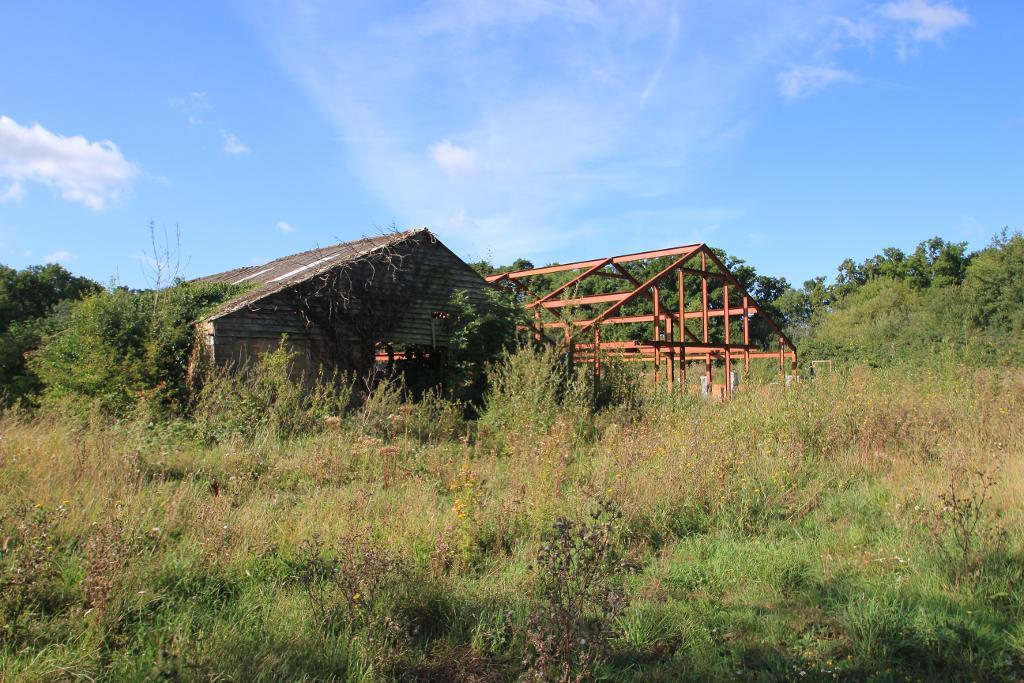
point(117, 347)
point(530, 387)
point(478, 332)
point(29, 299)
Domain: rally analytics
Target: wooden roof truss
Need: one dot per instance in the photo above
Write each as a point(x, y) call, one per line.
point(672, 344)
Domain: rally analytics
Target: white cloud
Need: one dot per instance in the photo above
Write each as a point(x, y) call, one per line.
point(901, 24)
point(194, 100)
point(928, 20)
point(801, 81)
point(234, 146)
point(61, 256)
point(460, 221)
point(452, 159)
point(91, 173)
point(285, 227)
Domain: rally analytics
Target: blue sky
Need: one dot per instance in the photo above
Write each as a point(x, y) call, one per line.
point(790, 134)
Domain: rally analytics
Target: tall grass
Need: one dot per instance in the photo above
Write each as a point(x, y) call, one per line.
point(789, 534)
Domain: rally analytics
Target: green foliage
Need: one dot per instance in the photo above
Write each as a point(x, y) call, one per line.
point(116, 347)
point(29, 300)
point(895, 308)
point(100, 355)
point(994, 285)
point(265, 400)
point(935, 262)
point(17, 343)
point(479, 332)
point(32, 292)
point(529, 389)
point(884, 322)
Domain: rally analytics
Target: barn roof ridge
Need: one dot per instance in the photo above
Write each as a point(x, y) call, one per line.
point(285, 271)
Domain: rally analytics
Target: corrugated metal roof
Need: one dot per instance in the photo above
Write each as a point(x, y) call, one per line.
point(290, 270)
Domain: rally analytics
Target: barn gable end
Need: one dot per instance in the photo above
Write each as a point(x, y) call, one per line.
point(338, 305)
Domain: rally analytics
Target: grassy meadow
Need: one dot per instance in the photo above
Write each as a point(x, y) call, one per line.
point(864, 525)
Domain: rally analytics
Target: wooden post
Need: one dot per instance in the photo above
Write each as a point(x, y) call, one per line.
point(657, 335)
point(782, 360)
point(728, 351)
point(746, 338)
point(704, 317)
point(682, 332)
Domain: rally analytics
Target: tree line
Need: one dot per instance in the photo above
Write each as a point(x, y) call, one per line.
point(63, 335)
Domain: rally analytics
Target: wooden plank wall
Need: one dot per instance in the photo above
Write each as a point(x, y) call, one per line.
point(405, 288)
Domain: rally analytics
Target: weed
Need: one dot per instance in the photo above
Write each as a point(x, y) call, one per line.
point(343, 583)
point(578, 569)
point(107, 553)
point(265, 400)
point(29, 573)
point(964, 529)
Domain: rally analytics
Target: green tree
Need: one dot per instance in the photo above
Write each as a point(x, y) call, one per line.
point(28, 299)
point(479, 332)
point(33, 291)
point(120, 346)
point(994, 285)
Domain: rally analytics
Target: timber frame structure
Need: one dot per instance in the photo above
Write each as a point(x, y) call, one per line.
point(671, 342)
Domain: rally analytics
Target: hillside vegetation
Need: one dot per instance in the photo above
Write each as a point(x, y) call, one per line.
point(859, 525)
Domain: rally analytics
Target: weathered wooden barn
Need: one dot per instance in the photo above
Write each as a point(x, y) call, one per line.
point(343, 306)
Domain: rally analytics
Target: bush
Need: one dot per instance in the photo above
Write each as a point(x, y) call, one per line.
point(578, 569)
point(530, 388)
point(18, 383)
point(117, 347)
point(478, 333)
point(28, 301)
point(898, 310)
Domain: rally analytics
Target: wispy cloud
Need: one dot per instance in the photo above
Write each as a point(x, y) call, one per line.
point(193, 105)
point(95, 174)
point(285, 227)
point(452, 159)
point(195, 100)
point(61, 256)
point(234, 146)
point(901, 25)
point(508, 126)
point(199, 112)
point(928, 21)
point(533, 112)
point(801, 81)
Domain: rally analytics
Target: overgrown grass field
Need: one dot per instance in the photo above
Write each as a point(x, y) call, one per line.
point(860, 526)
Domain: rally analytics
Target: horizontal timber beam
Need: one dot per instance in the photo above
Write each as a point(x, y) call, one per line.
point(585, 300)
point(626, 258)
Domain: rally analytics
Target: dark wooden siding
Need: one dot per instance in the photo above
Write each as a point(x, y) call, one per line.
point(391, 297)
